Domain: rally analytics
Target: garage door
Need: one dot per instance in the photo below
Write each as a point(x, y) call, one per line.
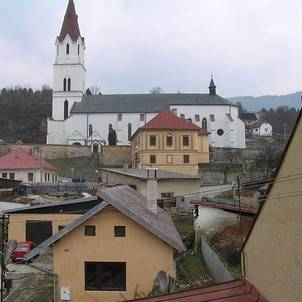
point(38, 231)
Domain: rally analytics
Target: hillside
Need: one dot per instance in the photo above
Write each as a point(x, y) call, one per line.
point(252, 103)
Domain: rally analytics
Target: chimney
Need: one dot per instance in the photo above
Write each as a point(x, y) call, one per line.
point(152, 189)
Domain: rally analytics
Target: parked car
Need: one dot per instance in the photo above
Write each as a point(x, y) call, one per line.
point(79, 179)
point(22, 249)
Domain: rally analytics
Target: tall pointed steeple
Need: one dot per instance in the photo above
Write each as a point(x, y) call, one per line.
point(212, 87)
point(70, 24)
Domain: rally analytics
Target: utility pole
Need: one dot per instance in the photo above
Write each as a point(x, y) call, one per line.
point(240, 222)
point(2, 258)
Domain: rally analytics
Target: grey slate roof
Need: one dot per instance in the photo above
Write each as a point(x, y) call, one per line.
point(51, 205)
point(141, 103)
point(142, 174)
point(248, 116)
point(132, 204)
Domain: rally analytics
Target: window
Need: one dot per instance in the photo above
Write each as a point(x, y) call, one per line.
point(170, 159)
point(56, 177)
point(169, 140)
point(152, 159)
point(142, 117)
point(185, 140)
point(30, 176)
point(182, 116)
point(45, 177)
point(119, 117)
point(129, 131)
point(152, 140)
point(167, 195)
point(119, 231)
point(48, 177)
point(69, 84)
point(197, 117)
point(64, 85)
point(186, 159)
point(67, 48)
point(12, 176)
point(78, 49)
point(89, 230)
point(53, 177)
point(204, 124)
point(4, 175)
point(90, 130)
point(105, 276)
point(65, 110)
point(174, 111)
point(60, 227)
point(220, 132)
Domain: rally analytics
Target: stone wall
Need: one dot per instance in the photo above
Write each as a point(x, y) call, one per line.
point(115, 156)
point(50, 151)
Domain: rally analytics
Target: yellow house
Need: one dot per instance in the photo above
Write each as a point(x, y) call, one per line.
point(171, 143)
point(114, 250)
point(272, 253)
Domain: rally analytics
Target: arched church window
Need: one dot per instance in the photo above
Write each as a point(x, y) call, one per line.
point(90, 130)
point(64, 85)
point(67, 48)
point(69, 84)
point(129, 131)
point(204, 124)
point(65, 110)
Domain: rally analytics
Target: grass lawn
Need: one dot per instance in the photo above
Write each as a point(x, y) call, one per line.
point(192, 271)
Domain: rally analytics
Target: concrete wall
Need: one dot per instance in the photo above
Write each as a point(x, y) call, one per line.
point(115, 155)
point(17, 223)
point(217, 268)
point(145, 255)
point(273, 251)
point(50, 151)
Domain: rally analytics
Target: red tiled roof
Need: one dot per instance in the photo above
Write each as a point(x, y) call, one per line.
point(233, 291)
point(70, 24)
point(22, 159)
point(168, 120)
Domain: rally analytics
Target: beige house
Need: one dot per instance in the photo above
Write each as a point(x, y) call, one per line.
point(114, 250)
point(272, 254)
point(169, 184)
point(170, 143)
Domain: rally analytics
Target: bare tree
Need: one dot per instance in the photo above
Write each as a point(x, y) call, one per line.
point(95, 90)
point(156, 90)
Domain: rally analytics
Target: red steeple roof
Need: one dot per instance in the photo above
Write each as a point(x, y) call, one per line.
point(70, 24)
point(168, 120)
point(23, 159)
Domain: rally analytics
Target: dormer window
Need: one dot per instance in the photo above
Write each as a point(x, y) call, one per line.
point(67, 48)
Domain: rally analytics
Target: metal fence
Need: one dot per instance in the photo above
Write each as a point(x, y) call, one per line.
point(216, 265)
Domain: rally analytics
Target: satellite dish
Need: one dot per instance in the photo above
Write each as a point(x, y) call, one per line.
point(162, 279)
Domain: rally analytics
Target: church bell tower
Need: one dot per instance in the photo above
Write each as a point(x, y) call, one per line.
point(69, 67)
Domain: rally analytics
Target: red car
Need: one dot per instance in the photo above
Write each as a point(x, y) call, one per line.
point(21, 250)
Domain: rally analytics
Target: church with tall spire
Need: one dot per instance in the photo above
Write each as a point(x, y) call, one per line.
point(82, 119)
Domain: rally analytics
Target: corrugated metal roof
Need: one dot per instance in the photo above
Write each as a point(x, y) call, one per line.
point(142, 174)
point(141, 103)
point(51, 205)
point(132, 204)
point(233, 291)
point(23, 159)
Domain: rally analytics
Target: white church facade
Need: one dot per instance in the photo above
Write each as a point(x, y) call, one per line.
point(79, 119)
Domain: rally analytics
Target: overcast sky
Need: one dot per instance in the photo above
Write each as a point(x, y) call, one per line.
point(252, 47)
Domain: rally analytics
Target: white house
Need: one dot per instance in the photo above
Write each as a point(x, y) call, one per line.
point(21, 164)
point(260, 129)
point(85, 119)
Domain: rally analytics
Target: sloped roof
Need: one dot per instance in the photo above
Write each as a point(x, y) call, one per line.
point(232, 291)
point(132, 204)
point(168, 120)
point(248, 116)
point(70, 24)
point(22, 159)
point(142, 103)
point(142, 174)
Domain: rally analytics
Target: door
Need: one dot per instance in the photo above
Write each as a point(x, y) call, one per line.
point(38, 231)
